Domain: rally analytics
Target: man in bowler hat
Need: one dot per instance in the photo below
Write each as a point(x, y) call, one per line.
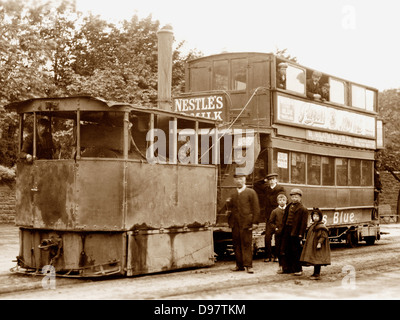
point(243, 209)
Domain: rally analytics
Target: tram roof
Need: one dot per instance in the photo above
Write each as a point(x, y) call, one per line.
point(89, 103)
point(239, 54)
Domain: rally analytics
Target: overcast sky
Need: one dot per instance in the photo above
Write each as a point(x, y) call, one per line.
point(357, 40)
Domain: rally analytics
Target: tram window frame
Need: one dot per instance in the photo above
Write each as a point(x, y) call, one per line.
point(197, 73)
point(62, 130)
point(239, 69)
point(298, 162)
point(95, 140)
point(370, 100)
point(367, 172)
point(342, 171)
point(281, 164)
point(337, 91)
point(222, 83)
point(301, 80)
point(354, 176)
point(363, 98)
point(328, 171)
point(314, 169)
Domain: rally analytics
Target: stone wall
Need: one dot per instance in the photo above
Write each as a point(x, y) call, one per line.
point(7, 204)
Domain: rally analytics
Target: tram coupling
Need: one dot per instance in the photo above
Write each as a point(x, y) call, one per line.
point(46, 244)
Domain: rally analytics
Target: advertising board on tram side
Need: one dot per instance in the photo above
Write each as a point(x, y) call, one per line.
point(328, 124)
point(346, 216)
point(206, 106)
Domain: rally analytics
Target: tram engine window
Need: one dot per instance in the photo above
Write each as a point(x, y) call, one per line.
point(281, 165)
point(239, 74)
point(45, 146)
point(295, 79)
point(314, 170)
point(328, 171)
point(366, 170)
point(220, 76)
point(297, 168)
point(341, 171)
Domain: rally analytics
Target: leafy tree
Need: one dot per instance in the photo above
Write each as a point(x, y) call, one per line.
point(389, 110)
point(50, 49)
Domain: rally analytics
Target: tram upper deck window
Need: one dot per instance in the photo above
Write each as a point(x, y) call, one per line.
point(199, 79)
point(239, 74)
point(295, 79)
point(362, 98)
point(336, 92)
point(220, 75)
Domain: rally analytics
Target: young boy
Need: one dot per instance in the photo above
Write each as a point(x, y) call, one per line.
point(275, 223)
point(294, 226)
point(316, 251)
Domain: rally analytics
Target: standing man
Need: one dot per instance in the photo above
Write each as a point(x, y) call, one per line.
point(44, 142)
point(294, 226)
point(244, 210)
point(270, 188)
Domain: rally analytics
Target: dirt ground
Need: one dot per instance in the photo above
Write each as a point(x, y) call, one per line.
point(364, 272)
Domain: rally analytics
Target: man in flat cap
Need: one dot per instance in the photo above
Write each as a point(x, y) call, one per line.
point(294, 226)
point(281, 75)
point(269, 188)
point(244, 211)
point(313, 86)
point(44, 142)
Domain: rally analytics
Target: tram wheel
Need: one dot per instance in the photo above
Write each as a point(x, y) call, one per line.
point(370, 240)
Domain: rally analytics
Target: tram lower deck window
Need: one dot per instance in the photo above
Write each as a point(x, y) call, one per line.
point(315, 170)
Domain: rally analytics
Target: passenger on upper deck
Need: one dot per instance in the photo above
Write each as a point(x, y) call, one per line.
point(325, 92)
point(281, 76)
point(44, 143)
point(313, 86)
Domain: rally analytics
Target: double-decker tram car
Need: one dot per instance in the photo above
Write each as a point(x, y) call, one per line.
point(318, 132)
point(98, 193)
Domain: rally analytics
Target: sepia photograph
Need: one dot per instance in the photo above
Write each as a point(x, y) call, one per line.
point(199, 158)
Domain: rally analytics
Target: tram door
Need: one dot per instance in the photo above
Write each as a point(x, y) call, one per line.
point(259, 173)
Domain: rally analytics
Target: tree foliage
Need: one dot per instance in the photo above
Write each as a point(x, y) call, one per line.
point(50, 49)
point(389, 110)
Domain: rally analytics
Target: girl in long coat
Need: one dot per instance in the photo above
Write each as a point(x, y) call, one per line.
point(316, 251)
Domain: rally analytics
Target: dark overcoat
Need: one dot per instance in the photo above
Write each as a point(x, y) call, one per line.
point(244, 209)
point(269, 196)
point(318, 233)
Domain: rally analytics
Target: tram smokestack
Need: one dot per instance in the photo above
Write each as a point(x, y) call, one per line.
point(165, 39)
